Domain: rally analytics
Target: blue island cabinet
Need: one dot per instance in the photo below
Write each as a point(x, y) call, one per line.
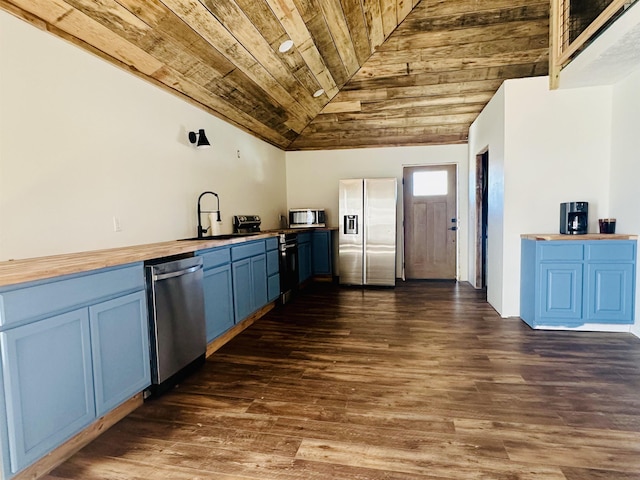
point(73, 348)
point(569, 283)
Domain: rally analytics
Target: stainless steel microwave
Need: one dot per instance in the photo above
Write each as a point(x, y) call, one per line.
point(306, 217)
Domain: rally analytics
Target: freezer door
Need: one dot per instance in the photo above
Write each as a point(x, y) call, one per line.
point(350, 236)
point(380, 198)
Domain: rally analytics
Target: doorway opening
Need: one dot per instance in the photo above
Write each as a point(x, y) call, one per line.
point(430, 222)
point(482, 217)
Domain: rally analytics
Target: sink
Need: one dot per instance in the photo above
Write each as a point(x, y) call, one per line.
point(224, 236)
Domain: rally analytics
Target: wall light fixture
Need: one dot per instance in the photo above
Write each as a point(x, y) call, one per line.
point(199, 139)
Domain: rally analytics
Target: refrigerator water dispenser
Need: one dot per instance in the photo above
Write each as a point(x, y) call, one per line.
point(351, 224)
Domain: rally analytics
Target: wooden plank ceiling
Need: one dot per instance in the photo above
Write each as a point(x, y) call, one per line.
point(393, 72)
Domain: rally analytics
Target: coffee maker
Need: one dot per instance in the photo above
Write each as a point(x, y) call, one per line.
point(574, 218)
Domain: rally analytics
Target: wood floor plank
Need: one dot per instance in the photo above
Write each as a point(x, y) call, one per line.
point(420, 382)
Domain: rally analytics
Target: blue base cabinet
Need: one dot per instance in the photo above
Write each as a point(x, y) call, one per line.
point(48, 384)
point(73, 348)
point(238, 280)
point(322, 252)
point(249, 273)
point(218, 291)
point(120, 350)
point(567, 283)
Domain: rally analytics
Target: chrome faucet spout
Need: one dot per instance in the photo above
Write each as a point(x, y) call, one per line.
point(201, 230)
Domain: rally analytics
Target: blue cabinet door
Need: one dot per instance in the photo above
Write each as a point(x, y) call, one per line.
point(48, 384)
point(120, 350)
point(242, 288)
point(561, 291)
point(218, 301)
point(259, 281)
point(610, 293)
point(321, 252)
point(250, 291)
point(304, 261)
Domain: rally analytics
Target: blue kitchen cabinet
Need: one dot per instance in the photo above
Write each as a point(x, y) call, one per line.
point(218, 291)
point(273, 269)
point(322, 252)
point(259, 281)
point(73, 348)
point(610, 282)
point(305, 266)
point(249, 273)
point(120, 349)
point(567, 283)
point(243, 302)
point(48, 385)
point(561, 291)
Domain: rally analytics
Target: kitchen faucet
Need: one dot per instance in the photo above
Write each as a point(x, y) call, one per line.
point(202, 231)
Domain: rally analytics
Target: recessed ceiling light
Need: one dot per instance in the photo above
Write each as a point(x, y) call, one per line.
point(319, 92)
point(286, 46)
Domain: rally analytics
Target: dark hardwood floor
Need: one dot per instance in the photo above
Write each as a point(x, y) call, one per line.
point(421, 382)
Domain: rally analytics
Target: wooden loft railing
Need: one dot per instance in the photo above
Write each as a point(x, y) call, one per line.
point(570, 30)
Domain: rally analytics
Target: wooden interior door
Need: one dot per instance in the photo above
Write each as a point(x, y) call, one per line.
point(430, 222)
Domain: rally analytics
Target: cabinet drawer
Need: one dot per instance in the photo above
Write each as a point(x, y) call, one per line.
point(616, 251)
point(36, 299)
point(215, 257)
point(271, 243)
point(247, 250)
point(563, 251)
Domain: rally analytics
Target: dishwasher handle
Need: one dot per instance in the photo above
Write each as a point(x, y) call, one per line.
point(177, 273)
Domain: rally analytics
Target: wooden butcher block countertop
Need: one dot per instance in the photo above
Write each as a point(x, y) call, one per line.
point(26, 270)
point(588, 236)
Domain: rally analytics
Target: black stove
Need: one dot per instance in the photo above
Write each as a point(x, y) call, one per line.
point(246, 223)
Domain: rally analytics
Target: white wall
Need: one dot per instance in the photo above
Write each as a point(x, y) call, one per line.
point(487, 133)
point(312, 180)
point(556, 149)
point(82, 141)
point(625, 166)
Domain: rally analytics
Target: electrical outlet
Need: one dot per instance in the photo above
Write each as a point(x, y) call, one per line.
point(116, 224)
point(238, 153)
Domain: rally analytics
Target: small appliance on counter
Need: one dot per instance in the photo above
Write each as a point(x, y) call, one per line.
point(574, 218)
point(246, 223)
point(306, 217)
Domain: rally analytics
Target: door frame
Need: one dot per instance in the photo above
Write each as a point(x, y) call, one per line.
point(480, 251)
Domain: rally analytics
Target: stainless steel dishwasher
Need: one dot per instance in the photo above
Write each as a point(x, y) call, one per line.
point(176, 320)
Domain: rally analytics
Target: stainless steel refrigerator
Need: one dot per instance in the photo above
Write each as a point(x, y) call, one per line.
point(367, 239)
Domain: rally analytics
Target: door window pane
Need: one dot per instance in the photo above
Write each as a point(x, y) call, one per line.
point(429, 183)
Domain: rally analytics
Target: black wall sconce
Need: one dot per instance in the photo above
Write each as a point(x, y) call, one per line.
point(199, 139)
